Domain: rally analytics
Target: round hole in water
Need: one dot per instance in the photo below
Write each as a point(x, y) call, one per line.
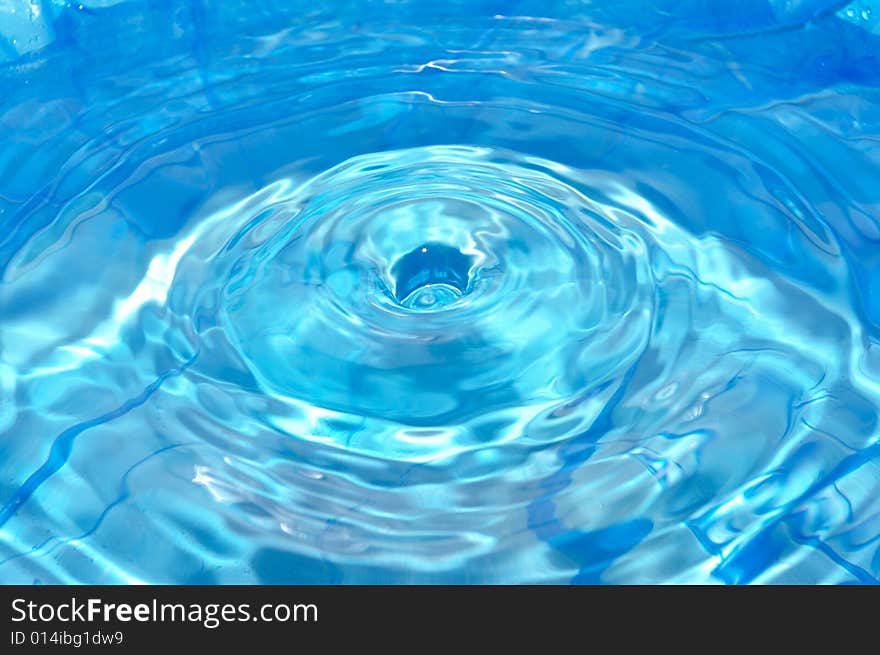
point(431, 276)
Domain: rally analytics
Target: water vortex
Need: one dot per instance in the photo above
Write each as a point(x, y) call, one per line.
point(446, 288)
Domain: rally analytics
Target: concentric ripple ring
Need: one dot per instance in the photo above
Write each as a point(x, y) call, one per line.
point(439, 292)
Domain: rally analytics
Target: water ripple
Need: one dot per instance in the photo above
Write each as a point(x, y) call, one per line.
point(538, 293)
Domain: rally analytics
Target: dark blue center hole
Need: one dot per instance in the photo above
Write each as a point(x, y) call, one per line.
point(431, 264)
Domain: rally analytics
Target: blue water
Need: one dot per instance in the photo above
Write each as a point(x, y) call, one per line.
point(467, 292)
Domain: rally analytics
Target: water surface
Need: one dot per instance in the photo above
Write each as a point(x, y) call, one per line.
point(467, 292)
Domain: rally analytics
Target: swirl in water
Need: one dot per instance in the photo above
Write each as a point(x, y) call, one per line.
point(570, 294)
point(433, 300)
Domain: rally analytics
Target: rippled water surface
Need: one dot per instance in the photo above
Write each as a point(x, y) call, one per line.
point(440, 292)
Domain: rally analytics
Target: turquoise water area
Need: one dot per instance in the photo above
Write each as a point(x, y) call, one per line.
point(440, 292)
